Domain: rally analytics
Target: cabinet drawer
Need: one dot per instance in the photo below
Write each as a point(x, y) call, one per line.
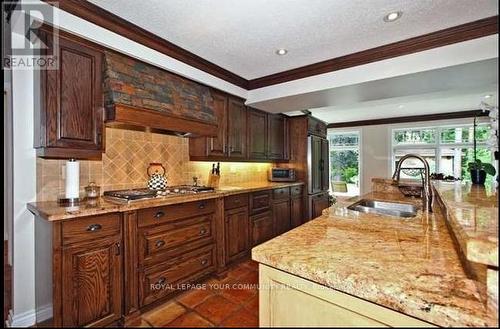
point(260, 201)
point(90, 228)
point(171, 239)
point(235, 201)
point(161, 280)
point(281, 193)
point(296, 190)
point(159, 215)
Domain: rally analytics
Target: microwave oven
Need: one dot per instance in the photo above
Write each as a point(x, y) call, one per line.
point(281, 175)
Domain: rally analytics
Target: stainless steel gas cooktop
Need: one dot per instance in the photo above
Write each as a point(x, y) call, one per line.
point(144, 193)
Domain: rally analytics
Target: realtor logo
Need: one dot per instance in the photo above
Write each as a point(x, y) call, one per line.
point(27, 46)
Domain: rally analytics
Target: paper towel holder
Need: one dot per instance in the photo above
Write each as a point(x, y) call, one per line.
point(69, 202)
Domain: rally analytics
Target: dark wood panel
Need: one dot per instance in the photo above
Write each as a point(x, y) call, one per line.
point(282, 193)
point(236, 201)
point(131, 263)
point(296, 190)
point(317, 203)
point(257, 133)
point(411, 118)
point(237, 127)
point(281, 216)
point(260, 201)
point(262, 228)
point(160, 243)
point(297, 214)
point(217, 146)
point(88, 228)
point(160, 215)
point(277, 137)
point(92, 283)
point(460, 33)
point(69, 122)
point(316, 127)
point(114, 23)
point(236, 233)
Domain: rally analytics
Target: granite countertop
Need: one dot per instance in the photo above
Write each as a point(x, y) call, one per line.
point(408, 265)
point(473, 216)
point(52, 211)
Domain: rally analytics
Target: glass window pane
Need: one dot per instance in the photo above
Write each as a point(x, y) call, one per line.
point(412, 168)
point(454, 161)
point(415, 136)
point(344, 139)
point(465, 134)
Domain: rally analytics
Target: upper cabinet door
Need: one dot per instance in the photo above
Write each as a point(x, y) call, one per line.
point(277, 137)
point(71, 114)
point(218, 146)
point(257, 134)
point(237, 127)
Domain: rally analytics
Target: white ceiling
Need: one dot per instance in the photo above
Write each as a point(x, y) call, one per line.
point(241, 36)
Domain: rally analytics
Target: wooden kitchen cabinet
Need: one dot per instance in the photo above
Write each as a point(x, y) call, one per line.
point(236, 228)
point(297, 206)
point(257, 129)
point(91, 283)
point(217, 146)
point(317, 203)
point(236, 129)
point(69, 121)
point(262, 228)
point(281, 216)
point(277, 137)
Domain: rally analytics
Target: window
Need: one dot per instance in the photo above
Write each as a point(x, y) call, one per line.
point(448, 150)
point(344, 163)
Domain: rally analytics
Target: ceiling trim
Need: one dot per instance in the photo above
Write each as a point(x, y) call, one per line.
point(103, 18)
point(412, 118)
point(459, 33)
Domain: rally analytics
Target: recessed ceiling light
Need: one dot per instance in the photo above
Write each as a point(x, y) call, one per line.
point(401, 106)
point(281, 51)
point(391, 17)
point(488, 96)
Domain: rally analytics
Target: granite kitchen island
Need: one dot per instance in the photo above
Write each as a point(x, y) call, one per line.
point(433, 269)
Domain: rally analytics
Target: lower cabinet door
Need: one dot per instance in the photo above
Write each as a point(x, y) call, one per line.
point(92, 283)
point(281, 215)
point(317, 203)
point(262, 227)
point(236, 233)
point(296, 211)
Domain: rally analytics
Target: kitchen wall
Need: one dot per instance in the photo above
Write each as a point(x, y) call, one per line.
point(128, 155)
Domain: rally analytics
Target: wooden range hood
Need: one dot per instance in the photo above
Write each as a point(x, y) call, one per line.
point(143, 97)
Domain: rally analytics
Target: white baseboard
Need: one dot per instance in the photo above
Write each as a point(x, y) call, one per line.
point(29, 318)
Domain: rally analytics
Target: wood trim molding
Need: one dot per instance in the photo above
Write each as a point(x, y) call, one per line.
point(460, 33)
point(413, 118)
point(101, 17)
point(114, 23)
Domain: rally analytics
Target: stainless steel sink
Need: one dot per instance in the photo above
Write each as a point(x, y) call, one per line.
point(384, 208)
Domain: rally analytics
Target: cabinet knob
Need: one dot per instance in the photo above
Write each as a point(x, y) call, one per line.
point(203, 231)
point(201, 205)
point(159, 214)
point(159, 243)
point(94, 227)
point(204, 262)
point(161, 280)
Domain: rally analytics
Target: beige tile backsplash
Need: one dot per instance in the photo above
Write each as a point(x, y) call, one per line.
point(128, 155)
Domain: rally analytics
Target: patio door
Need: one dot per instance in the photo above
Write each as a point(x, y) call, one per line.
point(344, 163)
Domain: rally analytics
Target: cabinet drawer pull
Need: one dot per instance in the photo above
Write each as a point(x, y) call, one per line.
point(203, 231)
point(159, 214)
point(159, 243)
point(94, 227)
point(204, 262)
point(201, 205)
point(118, 249)
point(161, 280)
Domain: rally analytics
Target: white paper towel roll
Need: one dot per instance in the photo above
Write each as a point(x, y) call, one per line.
point(72, 179)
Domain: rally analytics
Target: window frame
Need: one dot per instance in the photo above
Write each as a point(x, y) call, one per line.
point(342, 131)
point(438, 145)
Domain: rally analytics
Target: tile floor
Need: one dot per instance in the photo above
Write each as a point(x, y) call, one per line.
point(230, 302)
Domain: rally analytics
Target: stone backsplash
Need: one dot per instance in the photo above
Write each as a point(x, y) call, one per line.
point(128, 155)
